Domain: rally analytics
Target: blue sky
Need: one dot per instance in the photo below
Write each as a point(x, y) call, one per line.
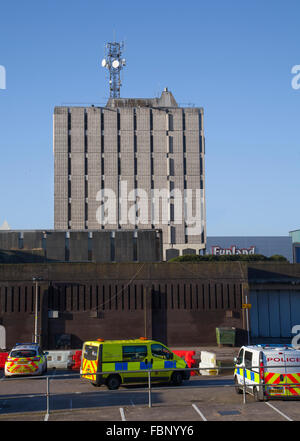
point(233, 58)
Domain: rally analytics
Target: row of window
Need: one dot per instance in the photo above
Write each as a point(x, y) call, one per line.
point(195, 168)
point(132, 352)
point(168, 126)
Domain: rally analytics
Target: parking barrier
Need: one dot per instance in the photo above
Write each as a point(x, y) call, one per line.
point(3, 357)
point(62, 359)
point(77, 360)
point(208, 364)
point(244, 385)
point(188, 357)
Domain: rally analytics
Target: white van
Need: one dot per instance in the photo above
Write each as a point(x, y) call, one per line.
point(270, 371)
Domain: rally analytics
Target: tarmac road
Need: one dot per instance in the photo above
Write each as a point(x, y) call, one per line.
point(71, 398)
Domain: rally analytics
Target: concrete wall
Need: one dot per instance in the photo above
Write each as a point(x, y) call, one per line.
point(75, 246)
point(78, 245)
point(179, 304)
point(33, 240)
point(101, 246)
point(9, 240)
point(56, 246)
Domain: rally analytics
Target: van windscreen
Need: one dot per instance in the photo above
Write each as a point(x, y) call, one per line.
point(90, 352)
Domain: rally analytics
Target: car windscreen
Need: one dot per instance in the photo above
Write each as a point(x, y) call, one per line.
point(23, 353)
point(90, 352)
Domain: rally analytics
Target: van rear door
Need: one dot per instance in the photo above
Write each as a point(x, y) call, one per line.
point(275, 379)
point(89, 363)
point(292, 359)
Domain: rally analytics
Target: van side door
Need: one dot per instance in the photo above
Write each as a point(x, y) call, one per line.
point(238, 366)
point(251, 371)
point(134, 358)
point(162, 359)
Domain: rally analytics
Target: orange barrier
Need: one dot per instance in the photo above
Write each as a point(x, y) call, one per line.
point(3, 357)
point(189, 358)
point(77, 360)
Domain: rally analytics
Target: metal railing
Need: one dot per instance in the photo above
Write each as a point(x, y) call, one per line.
point(245, 386)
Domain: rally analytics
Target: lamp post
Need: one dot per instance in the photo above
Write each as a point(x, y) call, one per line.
point(145, 312)
point(36, 280)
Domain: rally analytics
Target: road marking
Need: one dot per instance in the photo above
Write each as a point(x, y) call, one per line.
point(199, 412)
point(122, 414)
point(281, 413)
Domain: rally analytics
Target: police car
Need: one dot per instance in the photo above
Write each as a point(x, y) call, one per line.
point(268, 371)
point(25, 359)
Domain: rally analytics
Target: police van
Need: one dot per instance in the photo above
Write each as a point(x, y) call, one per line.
point(268, 371)
point(113, 356)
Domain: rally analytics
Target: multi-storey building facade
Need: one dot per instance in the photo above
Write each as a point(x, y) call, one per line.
point(134, 164)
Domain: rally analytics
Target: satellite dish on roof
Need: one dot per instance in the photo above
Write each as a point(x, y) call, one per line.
point(115, 64)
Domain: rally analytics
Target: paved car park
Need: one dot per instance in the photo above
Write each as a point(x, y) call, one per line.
point(74, 399)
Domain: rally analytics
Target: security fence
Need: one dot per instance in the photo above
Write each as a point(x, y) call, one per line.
point(248, 385)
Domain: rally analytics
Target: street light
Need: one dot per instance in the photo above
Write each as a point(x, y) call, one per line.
point(36, 280)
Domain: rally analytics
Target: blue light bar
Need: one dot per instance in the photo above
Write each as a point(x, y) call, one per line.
point(22, 344)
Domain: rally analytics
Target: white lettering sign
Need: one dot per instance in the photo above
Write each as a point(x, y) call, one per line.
point(233, 250)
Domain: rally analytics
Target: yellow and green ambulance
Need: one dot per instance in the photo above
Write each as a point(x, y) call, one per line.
point(106, 362)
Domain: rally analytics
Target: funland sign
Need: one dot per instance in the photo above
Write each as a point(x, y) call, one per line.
point(233, 250)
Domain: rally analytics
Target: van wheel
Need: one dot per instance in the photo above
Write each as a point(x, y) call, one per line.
point(236, 386)
point(256, 395)
point(177, 378)
point(113, 382)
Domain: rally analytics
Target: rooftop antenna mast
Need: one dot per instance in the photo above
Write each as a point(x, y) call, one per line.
point(114, 62)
